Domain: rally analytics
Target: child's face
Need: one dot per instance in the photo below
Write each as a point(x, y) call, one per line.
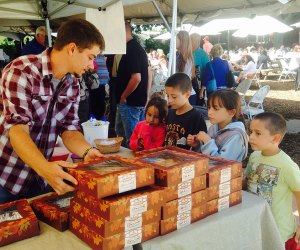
point(218, 114)
point(260, 137)
point(152, 116)
point(177, 99)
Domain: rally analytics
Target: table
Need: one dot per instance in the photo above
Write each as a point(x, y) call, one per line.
point(249, 225)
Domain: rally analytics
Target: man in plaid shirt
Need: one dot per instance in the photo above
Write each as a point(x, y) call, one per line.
point(39, 101)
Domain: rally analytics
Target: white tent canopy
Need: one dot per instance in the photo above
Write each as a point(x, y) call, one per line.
point(260, 26)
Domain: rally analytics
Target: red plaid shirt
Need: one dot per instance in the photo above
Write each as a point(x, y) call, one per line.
point(26, 92)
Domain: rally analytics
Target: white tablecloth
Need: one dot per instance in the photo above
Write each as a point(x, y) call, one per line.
point(248, 226)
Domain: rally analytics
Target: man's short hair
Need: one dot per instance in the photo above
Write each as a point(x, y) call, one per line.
point(274, 122)
point(39, 30)
point(180, 81)
point(81, 32)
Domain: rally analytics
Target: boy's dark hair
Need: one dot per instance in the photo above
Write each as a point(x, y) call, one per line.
point(161, 105)
point(180, 81)
point(275, 122)
point(227, 98)
point(81, 32)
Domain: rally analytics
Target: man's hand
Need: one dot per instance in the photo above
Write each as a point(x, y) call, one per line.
point(122, 99)
point(92, 154)
point(54, 174)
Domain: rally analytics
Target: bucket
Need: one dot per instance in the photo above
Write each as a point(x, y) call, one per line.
point(97, 130)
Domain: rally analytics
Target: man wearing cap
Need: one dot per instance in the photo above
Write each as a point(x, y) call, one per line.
point(207, 45)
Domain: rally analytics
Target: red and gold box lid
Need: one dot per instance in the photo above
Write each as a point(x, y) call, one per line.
point(221, 170)
point(122, 205)
point(172, 167)
point(54, 210)
point(225, 202)
point(115, 242)
point(108, 176)
point(108, 228)
point(182, 220)
point(17, 222)
point(184, 204)
point(185, 188)
point(226, 188)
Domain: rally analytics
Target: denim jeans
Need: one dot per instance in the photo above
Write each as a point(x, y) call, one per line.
point(126, 119)
point(34, 190)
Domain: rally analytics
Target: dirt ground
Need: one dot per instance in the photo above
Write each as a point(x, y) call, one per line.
point(283, 99)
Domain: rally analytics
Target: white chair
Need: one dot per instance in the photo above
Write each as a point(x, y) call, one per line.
point(286, 71)
point(242, 89)
point(256, 76)
point(255, 104)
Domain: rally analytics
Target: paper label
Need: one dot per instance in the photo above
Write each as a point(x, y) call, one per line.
point(185, 204)
point(223, 203)
point(224, 189)
point(127, 182)
point(133, 222)
point(188, 173)
point(133, 237)
point(184, 188)
point(138, 205)
point(225, 175)
point(9, 216)
point(183, 220)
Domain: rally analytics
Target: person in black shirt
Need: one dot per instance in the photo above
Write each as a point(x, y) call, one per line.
point(131, 87)
point(182, 118)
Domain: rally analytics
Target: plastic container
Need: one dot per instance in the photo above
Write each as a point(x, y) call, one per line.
point(95, 130)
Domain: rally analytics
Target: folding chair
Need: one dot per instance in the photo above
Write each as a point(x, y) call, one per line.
point(242, 88)
point(255, 104)
point(286, 72)
point(256, 76)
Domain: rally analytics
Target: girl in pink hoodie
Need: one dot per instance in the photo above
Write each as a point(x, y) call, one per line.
point(151, 132)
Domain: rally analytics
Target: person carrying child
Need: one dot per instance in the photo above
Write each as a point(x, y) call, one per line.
point(226, 137)
point(151, 132)
point(273, 175)
point(182, 118)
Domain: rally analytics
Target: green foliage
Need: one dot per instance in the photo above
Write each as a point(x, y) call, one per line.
point(8, 46)
point(139, 28)
point(156, 44)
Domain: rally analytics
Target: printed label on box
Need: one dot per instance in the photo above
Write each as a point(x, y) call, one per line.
point(9, 215)
point(188, 173)
point(224, 189)
point(127, 182)
point(184, 188)
point(225, 175)
point(133, 222)
point(223, 203)
point(62, 203)
point(185, 204)
point(133, 237)
point(183, 220)
point(138, 205)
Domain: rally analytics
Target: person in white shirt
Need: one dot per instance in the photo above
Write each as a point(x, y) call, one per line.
point(249, 70)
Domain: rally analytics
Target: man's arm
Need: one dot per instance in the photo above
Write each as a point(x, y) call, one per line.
point(52, 172)
point(75, 142)
point(297, 236)
point(134, 81)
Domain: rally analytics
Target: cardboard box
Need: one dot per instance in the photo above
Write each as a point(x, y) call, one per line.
point(184, 204)
point(223, 189)
point(54, 210)
point(108, 228)
point(182, 220)
point(115, 242)
point(172, 167)
point(185, 188)
point(123, 205)
point(221, 170)
point(109, 176)
point(220, 204)
point(17, 222)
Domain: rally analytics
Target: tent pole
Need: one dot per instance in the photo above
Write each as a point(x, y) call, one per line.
point(161, 15)
point(172, 64)
point(48, 32)
point(228, 33)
